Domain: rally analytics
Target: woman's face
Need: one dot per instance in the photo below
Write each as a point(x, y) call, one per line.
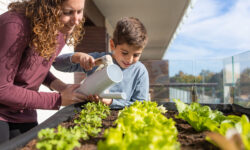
point(72, 14)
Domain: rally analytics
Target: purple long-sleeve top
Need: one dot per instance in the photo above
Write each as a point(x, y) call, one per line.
point(22, 71)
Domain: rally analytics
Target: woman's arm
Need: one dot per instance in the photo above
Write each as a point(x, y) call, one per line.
point(57, 85)
point(15, 95)
point(13, 42)
point(67, 91)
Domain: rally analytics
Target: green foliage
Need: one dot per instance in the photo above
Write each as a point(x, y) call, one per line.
point(90, 119)
point(181, 77)
point(243, 126)
point(87, 124)
point(203, 118)
point(141, 127)
point(60, 140)
point(199, 117)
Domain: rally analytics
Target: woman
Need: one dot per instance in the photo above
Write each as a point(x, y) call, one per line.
point(33, 32)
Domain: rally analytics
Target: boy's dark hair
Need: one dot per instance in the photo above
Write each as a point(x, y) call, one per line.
point(131, 31)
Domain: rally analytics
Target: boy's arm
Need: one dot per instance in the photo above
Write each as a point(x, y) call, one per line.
point(76, 62)
point(63, 63)
point(86, 61)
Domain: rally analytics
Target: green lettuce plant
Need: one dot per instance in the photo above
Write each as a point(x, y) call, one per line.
point(203, 118)
point(62, 139)
point(87, 124)
point(141, 127)
point(199, 117)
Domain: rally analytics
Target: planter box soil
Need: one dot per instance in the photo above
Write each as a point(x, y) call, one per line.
point(187, 136)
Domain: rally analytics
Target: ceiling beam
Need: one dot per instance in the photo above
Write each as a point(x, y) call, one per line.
point(94, 14)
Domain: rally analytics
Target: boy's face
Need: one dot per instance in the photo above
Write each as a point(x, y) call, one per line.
point(125, 55)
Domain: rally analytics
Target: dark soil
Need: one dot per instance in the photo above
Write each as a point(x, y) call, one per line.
point(187, 136)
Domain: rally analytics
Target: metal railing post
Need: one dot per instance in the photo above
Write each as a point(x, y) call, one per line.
point(232, 92)
point(193, 94)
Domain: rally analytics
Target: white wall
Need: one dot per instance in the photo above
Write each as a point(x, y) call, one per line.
point(66, 77)
point(3, 6)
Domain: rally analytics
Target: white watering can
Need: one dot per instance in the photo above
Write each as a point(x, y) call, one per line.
point(106, 75)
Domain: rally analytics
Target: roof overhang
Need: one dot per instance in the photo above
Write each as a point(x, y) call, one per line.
point(161, 18)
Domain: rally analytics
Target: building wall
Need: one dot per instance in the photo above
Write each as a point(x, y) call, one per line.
point(94, 40)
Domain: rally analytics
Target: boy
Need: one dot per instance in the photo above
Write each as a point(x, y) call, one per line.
point(129, 40)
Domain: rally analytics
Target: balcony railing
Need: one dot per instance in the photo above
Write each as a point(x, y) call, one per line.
point(187, 92)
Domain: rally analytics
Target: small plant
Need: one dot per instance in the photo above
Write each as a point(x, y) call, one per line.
point(62, 139)
point(90, 119)
point(87, 124)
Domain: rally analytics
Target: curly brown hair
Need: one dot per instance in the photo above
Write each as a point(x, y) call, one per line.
point(45, 22)
point(131, 31)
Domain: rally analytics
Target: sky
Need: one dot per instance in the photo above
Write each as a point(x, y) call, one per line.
point(214, 29)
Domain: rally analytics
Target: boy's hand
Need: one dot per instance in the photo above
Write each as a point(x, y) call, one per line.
point(86, 61)
point(107, 101)
point(96, 99)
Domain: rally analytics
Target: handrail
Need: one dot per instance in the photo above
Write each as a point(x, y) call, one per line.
point(192, 87)
point(184, 85)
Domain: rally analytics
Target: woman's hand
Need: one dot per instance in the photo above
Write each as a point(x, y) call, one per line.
point(96, 98)
point(86, 61)
point(69, 96)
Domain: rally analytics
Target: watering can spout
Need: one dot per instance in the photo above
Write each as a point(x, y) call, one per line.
point(115, 95)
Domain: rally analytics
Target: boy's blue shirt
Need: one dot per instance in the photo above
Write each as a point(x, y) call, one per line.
point(135, 83)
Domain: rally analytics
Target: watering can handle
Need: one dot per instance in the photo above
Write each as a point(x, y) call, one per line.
point(105, 60)
point(99, 61)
